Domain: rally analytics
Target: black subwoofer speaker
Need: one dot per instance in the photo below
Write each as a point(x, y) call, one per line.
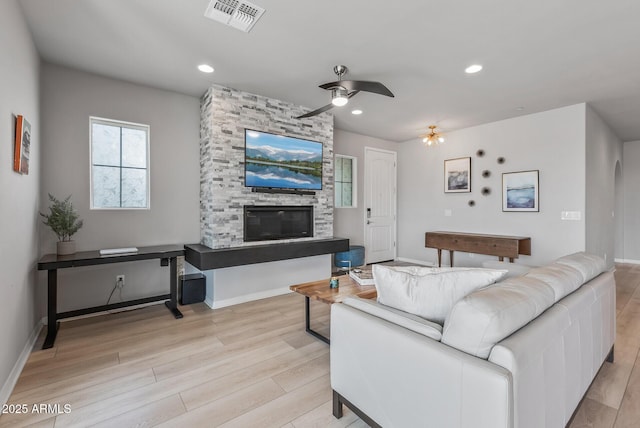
point(192, 288)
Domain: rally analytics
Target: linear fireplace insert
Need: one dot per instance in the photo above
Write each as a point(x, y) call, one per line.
point(262, 223)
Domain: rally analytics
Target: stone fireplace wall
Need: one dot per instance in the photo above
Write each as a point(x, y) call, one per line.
point(225, 113)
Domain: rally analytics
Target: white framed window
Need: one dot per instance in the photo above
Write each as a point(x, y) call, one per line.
point(119, 164)
point(345, 177)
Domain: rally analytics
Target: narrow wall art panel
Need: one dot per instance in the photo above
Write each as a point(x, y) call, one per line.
point(22, 145)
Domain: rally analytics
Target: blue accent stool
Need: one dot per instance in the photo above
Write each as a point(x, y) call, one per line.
point(352, 258)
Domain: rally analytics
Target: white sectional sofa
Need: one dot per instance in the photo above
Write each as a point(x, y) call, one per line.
point(520, 353)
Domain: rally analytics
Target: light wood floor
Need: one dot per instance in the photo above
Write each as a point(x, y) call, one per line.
point(250, 365)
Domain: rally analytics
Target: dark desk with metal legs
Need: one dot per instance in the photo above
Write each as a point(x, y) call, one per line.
point(52, 262)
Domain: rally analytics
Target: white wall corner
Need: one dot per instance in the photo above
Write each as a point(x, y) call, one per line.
point(209, 301)
point(11, 381)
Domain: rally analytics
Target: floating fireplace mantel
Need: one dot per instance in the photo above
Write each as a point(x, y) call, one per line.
point(271, 222)
point(205, 258)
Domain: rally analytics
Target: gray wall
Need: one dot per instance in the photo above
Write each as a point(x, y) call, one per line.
point(631, 178)
point(603, 153)
point(349, 222)
point(19, 66)
point(69, 97)
point(552, 142)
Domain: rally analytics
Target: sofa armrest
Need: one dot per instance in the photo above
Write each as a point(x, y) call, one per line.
point(395, 316)
point(400, 378)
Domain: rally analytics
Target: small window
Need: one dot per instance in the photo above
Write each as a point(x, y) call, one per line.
point(345, 181)
point(119, 164)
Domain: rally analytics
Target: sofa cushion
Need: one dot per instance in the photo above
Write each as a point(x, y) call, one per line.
point(485, 317)
point(513, 269)
point(401, 318)
point(563, 278)
point(429, 292)
point(589, 265)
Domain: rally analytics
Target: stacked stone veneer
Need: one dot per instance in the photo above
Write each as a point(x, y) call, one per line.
point(225, 113)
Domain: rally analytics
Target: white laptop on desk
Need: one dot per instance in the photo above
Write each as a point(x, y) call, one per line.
point(118, 251)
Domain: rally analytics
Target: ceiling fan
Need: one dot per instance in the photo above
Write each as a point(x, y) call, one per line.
point(343, 90)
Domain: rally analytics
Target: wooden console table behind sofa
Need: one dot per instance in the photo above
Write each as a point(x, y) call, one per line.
point(492, 245)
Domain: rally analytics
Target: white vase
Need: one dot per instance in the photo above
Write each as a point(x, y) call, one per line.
point(66, 247)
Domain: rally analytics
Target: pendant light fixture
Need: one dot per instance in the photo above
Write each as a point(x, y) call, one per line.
point(433, 137)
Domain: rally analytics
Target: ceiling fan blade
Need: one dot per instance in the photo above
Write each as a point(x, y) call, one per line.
point(317, 111)
point(325, 108)
point(360, 85)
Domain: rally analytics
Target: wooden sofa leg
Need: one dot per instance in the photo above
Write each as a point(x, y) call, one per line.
point(610, 356)
point(337, 405)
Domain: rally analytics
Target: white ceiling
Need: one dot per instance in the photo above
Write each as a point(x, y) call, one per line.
point(537, 55)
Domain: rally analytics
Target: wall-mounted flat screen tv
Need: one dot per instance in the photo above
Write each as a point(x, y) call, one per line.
point(279, 162)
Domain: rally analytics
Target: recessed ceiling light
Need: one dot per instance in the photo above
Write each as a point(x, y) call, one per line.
point(356, 112)
point(205, 68)
point(473, 69)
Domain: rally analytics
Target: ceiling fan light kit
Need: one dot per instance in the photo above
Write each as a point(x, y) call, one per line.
point(343, 90)
point(339, 97)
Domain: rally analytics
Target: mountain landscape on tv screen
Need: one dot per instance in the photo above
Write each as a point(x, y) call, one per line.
point(282, 162)
point(282, 155)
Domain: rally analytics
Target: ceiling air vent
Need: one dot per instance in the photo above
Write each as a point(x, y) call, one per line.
point(235, 13)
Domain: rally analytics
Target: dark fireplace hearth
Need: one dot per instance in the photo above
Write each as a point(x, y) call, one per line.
point(263, 223)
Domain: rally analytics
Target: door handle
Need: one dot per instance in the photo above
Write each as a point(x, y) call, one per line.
point(368, 212)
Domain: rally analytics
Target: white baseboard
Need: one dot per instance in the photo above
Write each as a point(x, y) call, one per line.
point(629, 261)
point(246, 298)
point(11, 381)
point(418, 262)
point(208, 301)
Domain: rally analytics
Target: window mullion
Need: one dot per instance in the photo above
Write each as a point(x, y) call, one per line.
point(120, 169)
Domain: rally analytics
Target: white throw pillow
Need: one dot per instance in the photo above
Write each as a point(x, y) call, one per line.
point(429, 292)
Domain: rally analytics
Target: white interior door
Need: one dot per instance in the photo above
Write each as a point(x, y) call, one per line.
point(379, 205)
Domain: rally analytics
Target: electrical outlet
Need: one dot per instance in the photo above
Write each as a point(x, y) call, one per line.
point(120, 281)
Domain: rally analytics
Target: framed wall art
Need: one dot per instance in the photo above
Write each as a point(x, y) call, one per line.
point(22, 145)
point(520, 191)
point(457, 175)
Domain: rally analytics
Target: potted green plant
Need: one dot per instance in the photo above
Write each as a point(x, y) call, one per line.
point(64, 221)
